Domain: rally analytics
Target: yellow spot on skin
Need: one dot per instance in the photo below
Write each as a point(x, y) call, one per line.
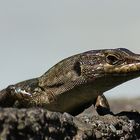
point(117, 70)
point(134, 67)
point(72, 76)
point(124, 69)
point(138, 66)
point(69, 74)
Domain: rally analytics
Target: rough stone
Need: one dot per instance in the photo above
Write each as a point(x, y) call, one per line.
point(40, 124)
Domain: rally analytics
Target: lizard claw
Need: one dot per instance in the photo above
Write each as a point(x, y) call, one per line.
point(17, 91)
point(23, 92)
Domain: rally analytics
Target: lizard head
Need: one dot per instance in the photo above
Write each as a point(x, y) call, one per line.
point(121, 62)
point(112, 66)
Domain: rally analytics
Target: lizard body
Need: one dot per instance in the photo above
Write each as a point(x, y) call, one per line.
point(76, 82)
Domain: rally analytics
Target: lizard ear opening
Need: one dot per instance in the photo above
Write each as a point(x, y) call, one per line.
point(77, 68)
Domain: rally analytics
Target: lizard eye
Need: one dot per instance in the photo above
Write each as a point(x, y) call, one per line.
point(112, 59)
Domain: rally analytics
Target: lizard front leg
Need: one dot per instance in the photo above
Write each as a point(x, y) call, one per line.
point(11, 95)
point(101, 105)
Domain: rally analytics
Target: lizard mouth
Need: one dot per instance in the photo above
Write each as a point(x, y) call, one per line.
point(116, 75)
point(123, 69)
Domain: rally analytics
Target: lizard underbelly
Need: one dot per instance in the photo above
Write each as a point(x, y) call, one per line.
point(74, 101)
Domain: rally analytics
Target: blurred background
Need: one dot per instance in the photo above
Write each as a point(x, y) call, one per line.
point(34, 35)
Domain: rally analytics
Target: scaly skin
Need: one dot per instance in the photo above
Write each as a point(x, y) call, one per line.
point(76, 82)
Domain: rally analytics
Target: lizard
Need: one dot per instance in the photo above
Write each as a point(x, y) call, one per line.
point(76, 82)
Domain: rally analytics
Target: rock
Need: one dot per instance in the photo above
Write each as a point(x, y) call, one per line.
point(40, 124)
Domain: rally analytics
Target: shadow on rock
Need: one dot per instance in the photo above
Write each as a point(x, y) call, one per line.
point(131, 115)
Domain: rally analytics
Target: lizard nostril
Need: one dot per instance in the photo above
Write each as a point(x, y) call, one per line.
point(77, 68)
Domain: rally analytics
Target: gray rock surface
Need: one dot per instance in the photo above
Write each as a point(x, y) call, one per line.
point(40, 124)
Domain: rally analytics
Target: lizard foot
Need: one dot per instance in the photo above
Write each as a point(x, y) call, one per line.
point(17, 92)
point(101, 105)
